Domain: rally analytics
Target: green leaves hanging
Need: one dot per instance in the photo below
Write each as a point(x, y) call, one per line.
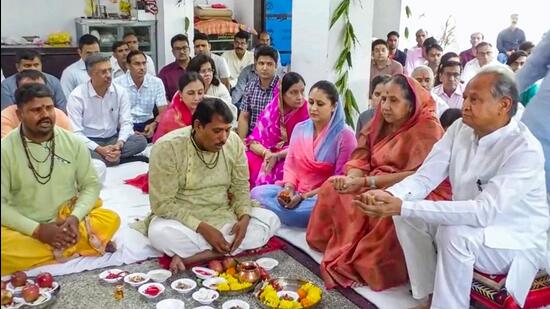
point(343, 62)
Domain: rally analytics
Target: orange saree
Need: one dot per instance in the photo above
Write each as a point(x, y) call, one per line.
point(357, 248)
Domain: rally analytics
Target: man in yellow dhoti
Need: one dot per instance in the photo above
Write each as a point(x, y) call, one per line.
point(50, 206)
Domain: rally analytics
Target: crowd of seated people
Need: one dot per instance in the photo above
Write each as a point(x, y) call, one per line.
point(439, 176)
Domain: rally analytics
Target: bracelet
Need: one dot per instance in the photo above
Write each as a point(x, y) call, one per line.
point(264, 152)
point(372, 182)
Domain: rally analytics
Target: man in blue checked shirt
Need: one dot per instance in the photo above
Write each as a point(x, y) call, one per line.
point(146, 92)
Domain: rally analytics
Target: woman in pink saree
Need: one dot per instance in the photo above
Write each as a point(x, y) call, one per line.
point(177, 115)
point(268, 143)
point(319, 149)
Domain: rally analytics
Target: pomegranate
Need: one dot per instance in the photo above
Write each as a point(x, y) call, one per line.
point(30, 293)
point(44, 280)
point(18, 278)
point(6, 298)
point(216, 266)
point(229, 262)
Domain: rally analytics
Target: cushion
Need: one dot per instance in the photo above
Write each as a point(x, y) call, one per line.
point(488, 291)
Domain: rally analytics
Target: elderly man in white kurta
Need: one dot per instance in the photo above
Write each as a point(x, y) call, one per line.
point(499, 217)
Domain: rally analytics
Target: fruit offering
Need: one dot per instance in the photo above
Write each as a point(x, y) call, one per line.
point(18, 279)
point(232, 283)
point(30, 293)
point(44, 280)
point(6, 297)
point(308, 295)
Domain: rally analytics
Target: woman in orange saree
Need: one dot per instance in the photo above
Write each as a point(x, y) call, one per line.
point(357, 249)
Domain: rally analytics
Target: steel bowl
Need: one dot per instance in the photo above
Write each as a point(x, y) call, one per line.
point(287, 284)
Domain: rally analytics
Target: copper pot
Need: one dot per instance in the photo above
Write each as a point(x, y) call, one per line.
point(248, 271)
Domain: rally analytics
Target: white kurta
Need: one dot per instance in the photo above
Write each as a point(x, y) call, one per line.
point(499, 196)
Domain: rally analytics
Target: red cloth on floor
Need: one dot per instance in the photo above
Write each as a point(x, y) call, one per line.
point(140, 182)
point(273, 244)
point(486, 292)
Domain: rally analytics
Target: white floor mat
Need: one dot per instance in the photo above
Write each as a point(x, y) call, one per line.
point(130, 203)
point(395, 298)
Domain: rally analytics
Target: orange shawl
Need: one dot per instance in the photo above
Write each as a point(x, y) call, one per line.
point(405, 149)
point(358, 248)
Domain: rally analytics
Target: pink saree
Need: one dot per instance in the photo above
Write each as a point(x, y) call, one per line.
point(272, 131)
point(176, 116)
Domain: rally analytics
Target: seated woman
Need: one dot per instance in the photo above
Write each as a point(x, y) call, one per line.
point(205, 66)
point(375, 95)
point(177, 115)
point(319, 148)
point(361, 250)
point(268, 143)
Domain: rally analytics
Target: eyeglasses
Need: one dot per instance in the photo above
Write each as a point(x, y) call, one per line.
point(184, 49)
point(240, 43)
point(206, 71)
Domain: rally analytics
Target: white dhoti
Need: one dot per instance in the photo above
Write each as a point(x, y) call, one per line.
point(101, 170)
point(446, 267)
point(173, 238)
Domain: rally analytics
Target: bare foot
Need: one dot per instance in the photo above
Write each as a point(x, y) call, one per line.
point(356, 285)
point(426, 304)
point(110, 247)
point(176, 265)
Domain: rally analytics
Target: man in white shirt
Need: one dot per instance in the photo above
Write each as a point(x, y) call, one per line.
point(484, 56)
point(100, 114)
point(425, 76)
point(499, 217)
point(450, 90)
point(118, 59)
point(133, 44)
point(202, 46)
point(238, 58)
point(146, 92)
point(76, 74)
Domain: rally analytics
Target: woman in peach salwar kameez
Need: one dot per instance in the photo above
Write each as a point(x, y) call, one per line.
point(358, 249)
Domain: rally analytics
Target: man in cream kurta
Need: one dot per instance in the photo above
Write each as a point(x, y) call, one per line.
point(199, 192)
point(498, 219)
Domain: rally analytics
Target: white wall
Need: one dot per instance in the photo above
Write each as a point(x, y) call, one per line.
point(171, 21)
point(315, 49)
point(39, 17)
point(387, 16)
point(244, 12)
point(487, 16)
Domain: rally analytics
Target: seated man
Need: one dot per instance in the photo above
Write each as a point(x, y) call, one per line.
point(9, 114)
point(259, 91)
point(10, 121)
point(100, 114)
point(199, 193)
point(484, 56)
point(171, 73)
point(425, 76)
point(30, 59)
point(50, 206)
point(498, 219)
point(76, 74)
point(146, 91)
point(450, 90)
point(238, 58)
point(118, 59)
